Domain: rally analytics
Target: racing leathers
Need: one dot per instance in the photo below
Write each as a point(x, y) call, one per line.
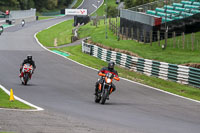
point(106, 70)
point(31, 62)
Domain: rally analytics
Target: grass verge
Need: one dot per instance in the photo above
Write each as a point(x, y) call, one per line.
point(77, 4)
point(5, 103)
point(62, 32)
point(154, 52)
point(101, 10)
point(44, 17)
point(170, 86)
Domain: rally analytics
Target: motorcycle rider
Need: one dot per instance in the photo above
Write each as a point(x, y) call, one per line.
point(105, 70)
point(27, 60)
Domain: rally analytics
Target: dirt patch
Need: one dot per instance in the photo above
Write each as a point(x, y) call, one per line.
point(113, 49)
point(195, 65)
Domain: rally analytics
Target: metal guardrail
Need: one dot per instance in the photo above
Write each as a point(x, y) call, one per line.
point(166, 71)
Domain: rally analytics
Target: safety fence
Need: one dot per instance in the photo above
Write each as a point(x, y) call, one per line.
point(22, 14)
point(166, 71)
point(138, 16)
point(153, 5)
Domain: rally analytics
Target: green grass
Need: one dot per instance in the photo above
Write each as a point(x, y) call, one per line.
point(5, 103)
point(44, 17)
point(101, 10)
point(154, 52)
point(77, 4)
point(170, 86)
point(62, 32)
point(6, 132)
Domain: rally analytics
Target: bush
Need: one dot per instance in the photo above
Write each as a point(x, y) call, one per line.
point(112, 11)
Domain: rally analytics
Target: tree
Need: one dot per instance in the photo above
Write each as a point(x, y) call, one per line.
point(112, 11)
point(132, 3)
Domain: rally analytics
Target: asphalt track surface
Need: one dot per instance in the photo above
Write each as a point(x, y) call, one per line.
point(67, 88)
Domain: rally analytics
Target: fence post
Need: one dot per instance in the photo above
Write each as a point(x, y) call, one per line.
point(192, 37)
point(166, 38)
point(122, 32)
point(126, 33)
point(158, 33)
point(138, 35)
point(118, 34)
point(114, 27)
point(111, 25)
point(132, 33)
point(56, 42)
point(174, 39)
point(144, 32)
point(151, 36)
point(183, 39)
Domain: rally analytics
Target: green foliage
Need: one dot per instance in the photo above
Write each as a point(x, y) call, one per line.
point(77, 4)
point(132, 3)
point(112, 11)
point(40, 5)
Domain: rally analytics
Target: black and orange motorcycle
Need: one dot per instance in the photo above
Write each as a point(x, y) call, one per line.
point(105, 87)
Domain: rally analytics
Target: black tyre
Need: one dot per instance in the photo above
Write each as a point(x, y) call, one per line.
point(1, 30)
point(103, 98)
point(97, 99)
point(26, 76)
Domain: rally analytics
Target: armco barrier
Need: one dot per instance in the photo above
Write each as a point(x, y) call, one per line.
point(166, 71)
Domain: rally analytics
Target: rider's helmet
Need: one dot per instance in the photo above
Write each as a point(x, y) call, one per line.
point(29, 57)
point(111, 65)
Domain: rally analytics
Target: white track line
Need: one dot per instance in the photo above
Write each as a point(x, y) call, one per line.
point(121, 78)
point(21, 100)
point(81, 4)
point(97, 8)
point(94, 5)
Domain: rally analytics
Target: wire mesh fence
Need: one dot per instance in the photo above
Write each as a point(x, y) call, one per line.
point(177, 40)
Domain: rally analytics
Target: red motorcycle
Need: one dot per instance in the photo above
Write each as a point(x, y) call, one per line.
point(26, 74)
point(105, 88)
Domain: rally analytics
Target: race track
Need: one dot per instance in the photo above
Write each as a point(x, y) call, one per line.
point(67, 88)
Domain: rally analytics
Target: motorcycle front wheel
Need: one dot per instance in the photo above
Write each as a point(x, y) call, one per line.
point(104, 96)
point(26, 76)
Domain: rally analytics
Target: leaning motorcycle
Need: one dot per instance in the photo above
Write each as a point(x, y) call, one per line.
point(26, 73)
point(105, 88)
